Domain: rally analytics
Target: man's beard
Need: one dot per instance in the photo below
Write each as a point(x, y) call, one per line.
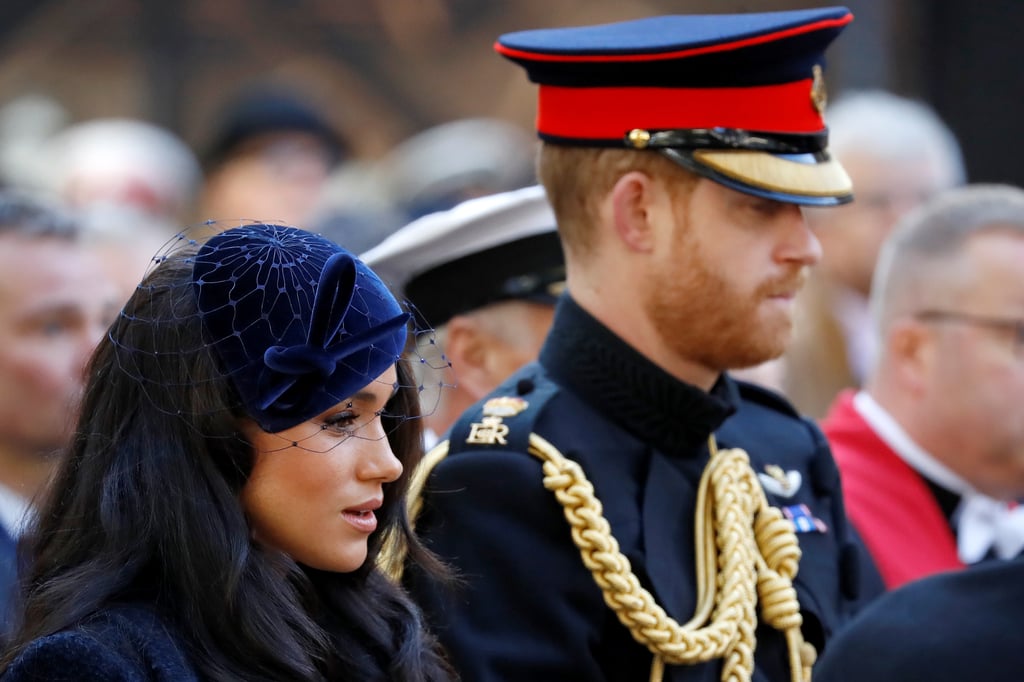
point(705, 320)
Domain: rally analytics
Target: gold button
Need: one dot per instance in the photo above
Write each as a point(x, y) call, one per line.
point(639, 138)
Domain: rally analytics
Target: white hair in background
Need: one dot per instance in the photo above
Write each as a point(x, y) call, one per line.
point(123, 161)
point(889, 126)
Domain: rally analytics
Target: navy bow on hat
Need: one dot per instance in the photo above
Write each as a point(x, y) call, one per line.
point(298, 323)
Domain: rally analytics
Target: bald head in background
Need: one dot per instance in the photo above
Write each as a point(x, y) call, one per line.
point(122, 164)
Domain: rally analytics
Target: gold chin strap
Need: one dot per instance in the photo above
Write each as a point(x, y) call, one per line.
point(746, 554)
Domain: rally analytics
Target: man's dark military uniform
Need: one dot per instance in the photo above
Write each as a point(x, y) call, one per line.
point(737, 99)
point(529, 608)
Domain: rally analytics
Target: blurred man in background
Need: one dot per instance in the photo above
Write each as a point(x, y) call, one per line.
point(941, 418)
point(55, 305)
point(486, 274)
point(428, 172)
point(269, 159)
point(932, 450)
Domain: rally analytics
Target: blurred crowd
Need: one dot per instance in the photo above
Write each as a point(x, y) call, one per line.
point(270, 155)
point(85, 205)
point(129, 186)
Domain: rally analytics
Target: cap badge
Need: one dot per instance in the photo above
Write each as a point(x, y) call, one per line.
point(491, 430)
point(779, 482)
point(819, 95)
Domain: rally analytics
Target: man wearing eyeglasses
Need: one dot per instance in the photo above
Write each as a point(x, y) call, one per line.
point(932, 450)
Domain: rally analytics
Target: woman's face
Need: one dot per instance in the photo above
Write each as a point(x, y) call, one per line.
point(314, 487)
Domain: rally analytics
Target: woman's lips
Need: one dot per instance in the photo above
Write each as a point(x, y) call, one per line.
point(362, 520)
point(362, 516)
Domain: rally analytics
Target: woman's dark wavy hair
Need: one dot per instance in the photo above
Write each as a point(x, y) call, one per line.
point(145, 506)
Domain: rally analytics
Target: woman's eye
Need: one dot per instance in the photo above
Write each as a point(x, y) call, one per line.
point(343, 421)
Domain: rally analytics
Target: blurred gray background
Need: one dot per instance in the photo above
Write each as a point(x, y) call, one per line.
point(385, 69)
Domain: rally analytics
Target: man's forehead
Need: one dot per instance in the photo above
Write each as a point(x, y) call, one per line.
point(43, 267)
point(984, 273)
point(12, 241)
point(996, 253)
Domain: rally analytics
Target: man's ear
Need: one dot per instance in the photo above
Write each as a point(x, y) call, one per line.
point(633, 210)
point(911, 352)
point(466, 345)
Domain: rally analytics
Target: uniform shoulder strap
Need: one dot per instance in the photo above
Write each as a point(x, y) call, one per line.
point(506, 419)
point(503, 421)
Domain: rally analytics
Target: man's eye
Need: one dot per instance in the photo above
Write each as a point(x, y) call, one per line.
point(767, 208)
point(53, 328)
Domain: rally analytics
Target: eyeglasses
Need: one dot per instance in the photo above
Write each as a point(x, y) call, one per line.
point(1013, 325)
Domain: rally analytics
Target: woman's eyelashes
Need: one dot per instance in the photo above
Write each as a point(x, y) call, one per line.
point(346, 421)
point(350, 420)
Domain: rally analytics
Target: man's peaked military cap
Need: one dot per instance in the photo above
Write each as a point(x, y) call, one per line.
point(737, 98)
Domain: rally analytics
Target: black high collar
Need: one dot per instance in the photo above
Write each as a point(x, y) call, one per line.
point(610, 375)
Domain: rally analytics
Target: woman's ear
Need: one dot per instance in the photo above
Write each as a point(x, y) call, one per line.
point(632, 205)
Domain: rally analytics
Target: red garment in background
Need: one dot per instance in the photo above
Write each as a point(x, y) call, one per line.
point(888, 502)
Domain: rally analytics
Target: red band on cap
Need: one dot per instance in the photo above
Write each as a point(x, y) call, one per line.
point(513, 53)
point(609, 113)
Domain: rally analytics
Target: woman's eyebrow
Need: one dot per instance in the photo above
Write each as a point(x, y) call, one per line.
point(370, 396)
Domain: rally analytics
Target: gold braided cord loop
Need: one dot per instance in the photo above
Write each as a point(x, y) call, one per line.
point(746, 555)
point(752, 557)
point(418, 480)
point(391, 558)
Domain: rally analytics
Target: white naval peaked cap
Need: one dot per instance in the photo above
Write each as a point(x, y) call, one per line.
point(498, 247)
point(422, 175)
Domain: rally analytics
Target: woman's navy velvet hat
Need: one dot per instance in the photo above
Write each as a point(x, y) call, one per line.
point(737, 98)
point(297, 322)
